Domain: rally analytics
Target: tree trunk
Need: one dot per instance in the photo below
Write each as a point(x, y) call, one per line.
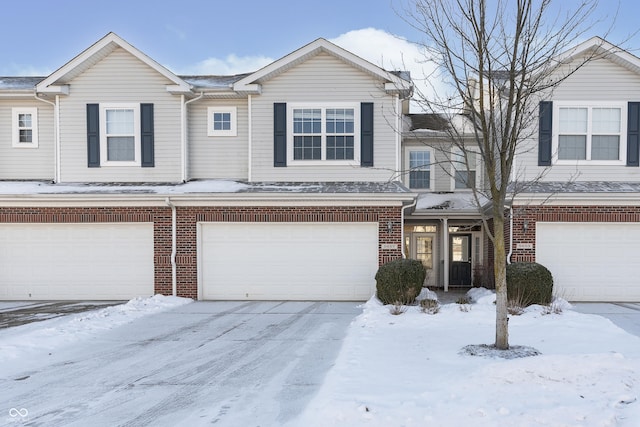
point(500, 273)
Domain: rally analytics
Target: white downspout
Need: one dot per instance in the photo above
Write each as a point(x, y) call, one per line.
point(174, 272)
point(510, 235)
point(398, 135)
point(56, 136)
point(250, 142)
point(184, 136)
point(404, 255)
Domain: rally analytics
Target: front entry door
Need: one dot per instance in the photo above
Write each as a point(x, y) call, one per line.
point(460, 256)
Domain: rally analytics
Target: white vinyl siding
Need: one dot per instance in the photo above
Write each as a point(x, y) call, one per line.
point(440, 173)
point(123, 79)
point(35, 163)
point(323, 79)
point(220, 157)
point(600, 81)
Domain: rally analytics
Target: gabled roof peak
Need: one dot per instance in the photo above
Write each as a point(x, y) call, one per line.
point(56, 82)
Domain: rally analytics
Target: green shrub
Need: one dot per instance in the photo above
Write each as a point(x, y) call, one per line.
point(529, 283)
point(400, 281)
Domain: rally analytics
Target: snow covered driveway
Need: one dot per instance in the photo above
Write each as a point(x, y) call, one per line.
point(221, 363)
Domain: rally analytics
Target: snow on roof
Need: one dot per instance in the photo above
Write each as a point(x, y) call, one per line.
point(204, 186)
point(18, 83)
point(460, 201)
point(576, 187)
point(213, 81)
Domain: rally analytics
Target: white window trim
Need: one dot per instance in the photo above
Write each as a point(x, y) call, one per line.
point(407, 159)
point(324, 106)
point(15, 135)
point(103, 135)
point(455, 151)
point(233, 112)
point(622, 156)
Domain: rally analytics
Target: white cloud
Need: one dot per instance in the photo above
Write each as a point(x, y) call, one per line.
point(232, 64)
point(383, 49)
point(393, 52)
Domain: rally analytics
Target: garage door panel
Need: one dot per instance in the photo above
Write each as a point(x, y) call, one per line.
point(76, 261)
point(291, 261)
point(591, 261)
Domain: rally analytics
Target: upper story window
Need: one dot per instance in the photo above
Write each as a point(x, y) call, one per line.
point(221, 121)
point(464, 168)
point(324, 134)
point(24, 127)
point(120, 127)
point(593, 133)
point(420, 169)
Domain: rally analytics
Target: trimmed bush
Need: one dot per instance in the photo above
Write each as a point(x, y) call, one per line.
point(529, 283)
point(400, 281)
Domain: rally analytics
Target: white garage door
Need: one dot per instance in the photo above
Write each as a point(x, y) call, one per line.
point(76, 261)
point(591, 261)
point(287, 261)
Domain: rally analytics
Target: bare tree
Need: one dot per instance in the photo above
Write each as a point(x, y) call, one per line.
point(498, 57)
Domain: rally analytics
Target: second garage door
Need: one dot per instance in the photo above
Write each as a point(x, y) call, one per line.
point(287, 261)
point(591, 261)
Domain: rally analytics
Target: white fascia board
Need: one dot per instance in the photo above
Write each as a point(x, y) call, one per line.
point(54, 89)
point(219, 199)
point(321, 45)
point(601, 46)
point(251, 88)
point(97, 47)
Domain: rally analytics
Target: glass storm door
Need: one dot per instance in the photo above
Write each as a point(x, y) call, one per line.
point(460, 257)
point(424, 252)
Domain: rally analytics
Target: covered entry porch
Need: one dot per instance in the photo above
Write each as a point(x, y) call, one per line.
point(448, 238)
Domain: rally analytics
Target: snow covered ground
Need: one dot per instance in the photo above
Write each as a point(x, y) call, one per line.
point(393, 370)
point(406, 370)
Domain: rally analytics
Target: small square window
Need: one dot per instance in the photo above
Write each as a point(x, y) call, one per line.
point(221, 121)
point(25, 127)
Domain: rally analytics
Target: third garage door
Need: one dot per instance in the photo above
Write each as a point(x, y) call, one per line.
point(591, 261)
point(287, 261)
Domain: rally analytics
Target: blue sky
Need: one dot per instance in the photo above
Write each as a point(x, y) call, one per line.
point(222, 36)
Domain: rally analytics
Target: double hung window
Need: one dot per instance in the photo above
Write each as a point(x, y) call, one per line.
point(25, 127)
point(120, 127)
point(420, 169)
point(325, 134)
point(590, 133)
point(464, 169)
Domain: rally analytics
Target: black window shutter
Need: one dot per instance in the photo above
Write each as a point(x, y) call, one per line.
point(545, 133)
point(146, 135)
point(366, 134)
point(279, 134)
point(633, 134)
point(93, 135)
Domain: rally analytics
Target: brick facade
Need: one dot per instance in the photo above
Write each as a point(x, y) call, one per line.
point(530, 215)
point(187, 219)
